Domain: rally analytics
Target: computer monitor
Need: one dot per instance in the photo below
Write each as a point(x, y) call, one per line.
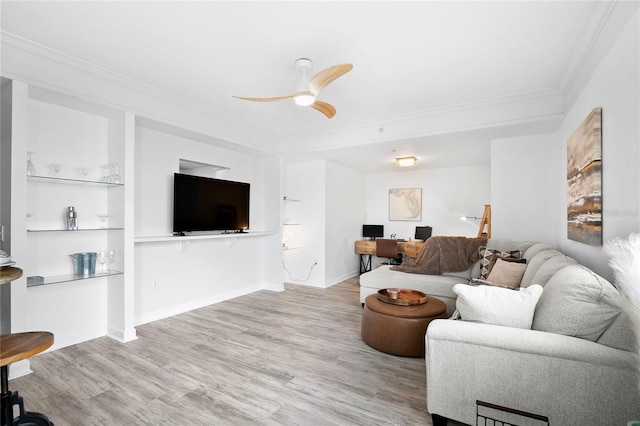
point(373, 231)
point(423, 232)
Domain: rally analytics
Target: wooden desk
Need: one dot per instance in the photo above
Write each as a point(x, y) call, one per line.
point(410, 249)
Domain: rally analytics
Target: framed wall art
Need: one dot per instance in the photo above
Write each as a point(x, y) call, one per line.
point(405, 204)
point(584, 181)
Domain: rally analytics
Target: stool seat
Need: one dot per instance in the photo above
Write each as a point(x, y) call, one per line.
point(396, 329)
point(18, 346)
point(13, 348)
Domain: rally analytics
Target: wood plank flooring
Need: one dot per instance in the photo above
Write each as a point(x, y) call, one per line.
point(268, 358)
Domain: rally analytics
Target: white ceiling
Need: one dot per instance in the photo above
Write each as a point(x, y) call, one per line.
point(421, 70)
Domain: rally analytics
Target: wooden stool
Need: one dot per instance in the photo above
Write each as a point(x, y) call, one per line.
point(13, 348)
point(399, 330)
point(16, 347)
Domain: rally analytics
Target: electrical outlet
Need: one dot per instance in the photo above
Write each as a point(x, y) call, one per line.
point(155, 284)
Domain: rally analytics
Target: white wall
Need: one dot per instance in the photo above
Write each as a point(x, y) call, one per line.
point(305, 181)
point(524, 174)
point(615, 87)
point(329, 218)
point(528, 175)
point(447, 194)
point(345, 213)
point(171, 277)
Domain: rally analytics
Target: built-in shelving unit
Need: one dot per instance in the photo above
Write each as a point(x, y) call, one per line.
point(67, 152)
point(57, 279)
point(71, 181)
point(290, 225)
point(76, 230)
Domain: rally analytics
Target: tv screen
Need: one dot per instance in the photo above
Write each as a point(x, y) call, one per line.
point(373, 231)
point(208, 204)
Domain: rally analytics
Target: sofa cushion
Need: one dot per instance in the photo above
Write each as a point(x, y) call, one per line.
point(535, 249)
point(497, 305)
point(577, 302)
point(433, 285)
point(619, 334)
point(487, 253)
point(534, 263)
point(550, 267)
point(507, 273)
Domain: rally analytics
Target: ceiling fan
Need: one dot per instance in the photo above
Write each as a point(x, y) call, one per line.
point(307, 90)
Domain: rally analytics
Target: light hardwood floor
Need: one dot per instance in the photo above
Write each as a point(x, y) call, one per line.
point(268, 358)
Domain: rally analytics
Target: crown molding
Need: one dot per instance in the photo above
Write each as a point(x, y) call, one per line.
point(541, 106)
point(78, 66)
point(119, 91)
point(583, 47)
point(24, 60)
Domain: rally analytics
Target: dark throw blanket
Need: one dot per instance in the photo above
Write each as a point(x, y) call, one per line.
point(444, 254)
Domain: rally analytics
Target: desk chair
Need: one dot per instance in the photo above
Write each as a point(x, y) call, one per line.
point(423, 233)
point(387, 248)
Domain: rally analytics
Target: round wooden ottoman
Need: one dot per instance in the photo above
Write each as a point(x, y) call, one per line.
point(396, 329)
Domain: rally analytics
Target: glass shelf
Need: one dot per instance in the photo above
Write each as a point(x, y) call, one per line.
point(285, 198)
point(71, 277)
point(68, 181)
point(287, 224)
point(77, 230)
point(290, 248)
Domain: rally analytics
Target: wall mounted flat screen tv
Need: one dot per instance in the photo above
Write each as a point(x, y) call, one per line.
point(208, 204)
point(373, 231)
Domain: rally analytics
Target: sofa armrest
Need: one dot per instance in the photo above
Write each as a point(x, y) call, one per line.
point(567, 379)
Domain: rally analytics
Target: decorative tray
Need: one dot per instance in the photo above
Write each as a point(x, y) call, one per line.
point(402, 296)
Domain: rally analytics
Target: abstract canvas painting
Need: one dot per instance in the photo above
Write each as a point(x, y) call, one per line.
point(584, 181)
point(405, 204)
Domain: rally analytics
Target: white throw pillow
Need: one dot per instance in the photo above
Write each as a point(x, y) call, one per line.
point(497, 305)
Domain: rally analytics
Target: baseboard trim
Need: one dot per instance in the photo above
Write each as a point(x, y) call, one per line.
point(194, 304)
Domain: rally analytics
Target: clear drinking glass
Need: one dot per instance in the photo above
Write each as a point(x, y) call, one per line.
point(31, 168)
point(111, 258)
point(55, 168)
point(84, 172)
point(104, 220)
point(102, 259)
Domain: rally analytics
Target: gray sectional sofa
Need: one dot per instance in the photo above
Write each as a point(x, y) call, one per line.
point(578, 363)
point(440, 286)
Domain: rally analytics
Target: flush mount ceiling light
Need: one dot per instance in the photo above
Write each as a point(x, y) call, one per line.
point(406, 161)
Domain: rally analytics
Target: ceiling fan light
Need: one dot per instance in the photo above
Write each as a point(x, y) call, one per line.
point(406, 161)
point(304, 99)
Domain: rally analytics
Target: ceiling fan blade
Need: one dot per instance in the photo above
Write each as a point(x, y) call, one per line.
point(324, 77)
point(325, 108)
point(274, 99)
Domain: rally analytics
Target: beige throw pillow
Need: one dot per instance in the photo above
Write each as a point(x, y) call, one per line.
point(507, 274)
